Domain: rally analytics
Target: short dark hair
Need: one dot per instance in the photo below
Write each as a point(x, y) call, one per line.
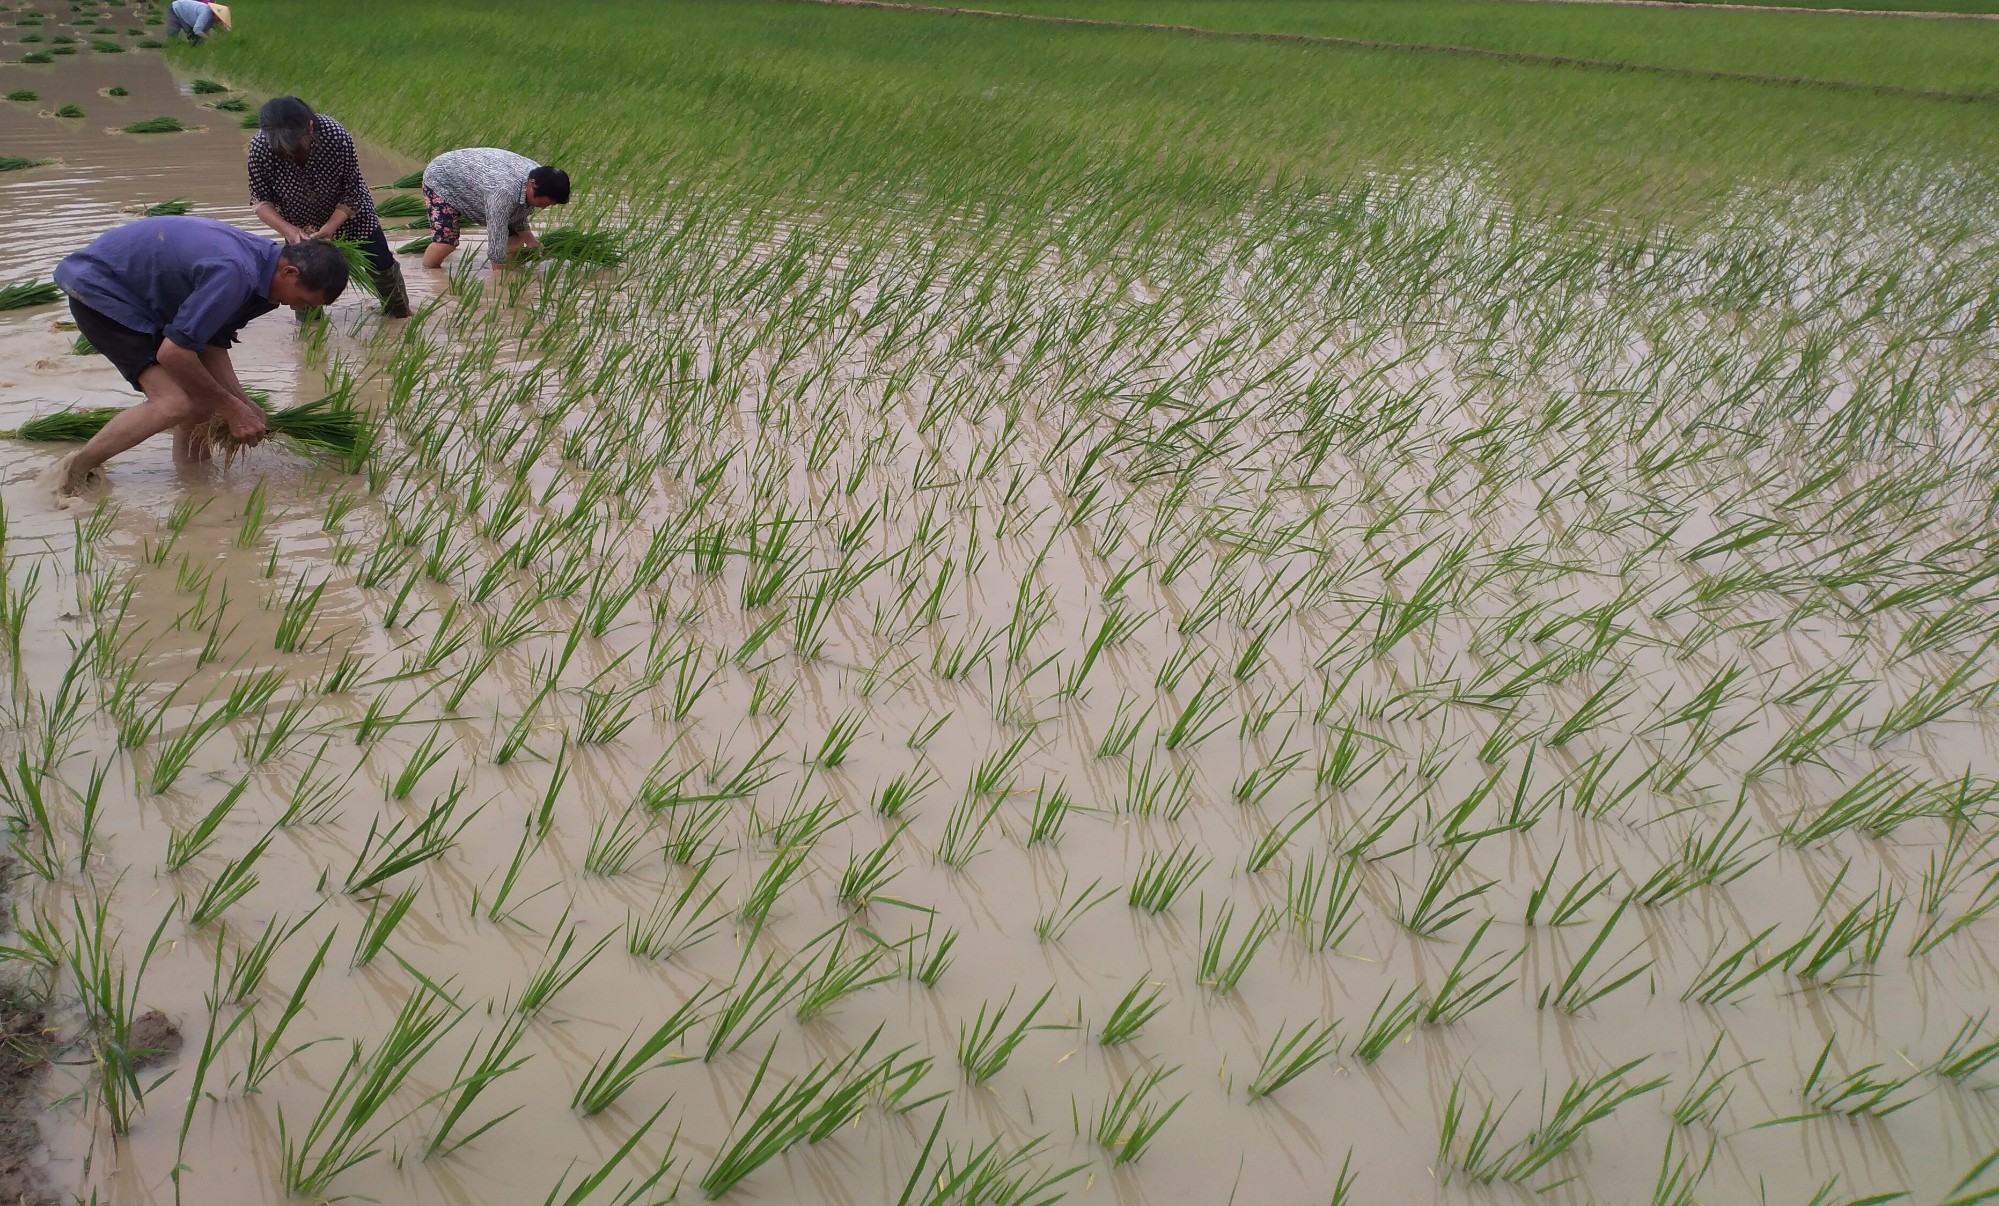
point(322, 267)
point(285, 120)
point(551, 182)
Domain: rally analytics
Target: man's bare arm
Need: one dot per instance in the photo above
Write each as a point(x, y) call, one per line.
point(196, 373)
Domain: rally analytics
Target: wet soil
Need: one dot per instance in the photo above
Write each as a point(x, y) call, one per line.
point(26, 1046)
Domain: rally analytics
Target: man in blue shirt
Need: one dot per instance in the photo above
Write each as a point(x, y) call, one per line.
point(163, 299)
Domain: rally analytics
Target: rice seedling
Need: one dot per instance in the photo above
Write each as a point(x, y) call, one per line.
point(1586, 982)
point(1163, 878)
point(1389, 1022)
point(326, 429)
point(360, 269)
point(1222, 974)
point(1137, 1007)
point(28, 293)
point(1707, 1093)
point(814, 1101)
point(405, 844)
point(381, 924)
point(109, 996)
point(403, 205)
point(1464, 989)
point(231, 884)
point(208, 87)
point(965, 831)
point(867, 875)
point(1968, 1052)
point(554, 974)
point(988, 1043)
point(1437, 906)
point(350, 1125)
point(750, 1005)
point(1287, 1059)
point(1322, 900)
point(928, 966)
point(156, 125)
point(597, 248)
point(25, 95)
point(1063, 913)
point(1272, 843)
point(183, 846)
point(1864, 1092)
point(769, 888)
point(616, 1071)
point(838, 976)
point(1132, 1118)
point(470, 1081)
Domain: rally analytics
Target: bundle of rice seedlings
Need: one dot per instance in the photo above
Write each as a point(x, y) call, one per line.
point(82, 346)
point(249, 122)
point(326, 429)
point(360, 269)
point(413, 180)
point(64, 426)
point(179, 205)
point(14, 163)
point(58, 50)
point(62, 39)
point(40, 56)
point(234, 104)
point(24, 94)
point(28, 293)
point(157, 125)
point(402, 205)
point(70, 110)
point(599, 247)
point(117, 90)
point(208, 88)
point(151, 44)
point(106, 46)
point(414, 246)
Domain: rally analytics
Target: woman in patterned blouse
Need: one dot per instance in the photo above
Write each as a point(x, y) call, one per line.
point(306, 183)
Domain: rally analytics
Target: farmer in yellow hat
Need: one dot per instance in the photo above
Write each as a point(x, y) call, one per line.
point(194, 17)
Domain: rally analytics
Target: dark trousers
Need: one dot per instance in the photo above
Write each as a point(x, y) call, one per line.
point(387, 278)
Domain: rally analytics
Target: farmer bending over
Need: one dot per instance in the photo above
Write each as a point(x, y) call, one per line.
point(306, 183)
point(193, 18)
point(490, 187)
point(163, 300)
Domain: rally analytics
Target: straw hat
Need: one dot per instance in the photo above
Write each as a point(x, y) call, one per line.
point(221, 12)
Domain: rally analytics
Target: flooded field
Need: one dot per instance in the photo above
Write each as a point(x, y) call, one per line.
point(1379, 699)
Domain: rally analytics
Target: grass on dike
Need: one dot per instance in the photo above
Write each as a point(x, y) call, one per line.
point(1943, 56)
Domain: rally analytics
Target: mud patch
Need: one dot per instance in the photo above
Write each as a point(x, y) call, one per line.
point(25, 1046)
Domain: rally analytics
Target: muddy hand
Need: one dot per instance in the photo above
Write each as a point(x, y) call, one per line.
point(247, 423)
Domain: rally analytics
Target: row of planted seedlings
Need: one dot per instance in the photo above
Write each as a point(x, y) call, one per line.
point(1220, 653)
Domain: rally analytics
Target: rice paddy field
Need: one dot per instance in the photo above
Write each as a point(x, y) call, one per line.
point(1082, 615)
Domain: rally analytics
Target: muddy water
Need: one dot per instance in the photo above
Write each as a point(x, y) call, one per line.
point(1219, 1147)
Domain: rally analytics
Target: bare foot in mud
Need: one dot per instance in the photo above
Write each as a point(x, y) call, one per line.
point(68, 489)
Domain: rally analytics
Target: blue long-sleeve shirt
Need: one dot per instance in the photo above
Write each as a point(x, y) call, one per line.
point(194, 15)
point(195, 281)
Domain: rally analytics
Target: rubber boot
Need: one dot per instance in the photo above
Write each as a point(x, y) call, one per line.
point(394, 293)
